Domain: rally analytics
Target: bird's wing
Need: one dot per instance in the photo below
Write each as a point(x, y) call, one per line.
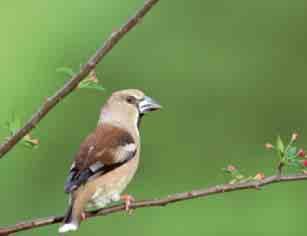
point(107, 148)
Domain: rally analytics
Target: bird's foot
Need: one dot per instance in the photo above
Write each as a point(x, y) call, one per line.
point(83, 216)
point(128, 199)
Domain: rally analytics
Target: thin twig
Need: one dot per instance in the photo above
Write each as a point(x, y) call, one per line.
point(158, 202)
point(51, 102)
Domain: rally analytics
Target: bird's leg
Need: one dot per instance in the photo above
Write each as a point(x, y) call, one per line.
point(83, 216)
point(128, 199)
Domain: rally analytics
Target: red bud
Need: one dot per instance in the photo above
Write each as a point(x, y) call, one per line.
point(305, 163)
point(301, 153)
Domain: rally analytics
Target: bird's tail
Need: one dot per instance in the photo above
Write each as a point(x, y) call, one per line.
point(69, 223)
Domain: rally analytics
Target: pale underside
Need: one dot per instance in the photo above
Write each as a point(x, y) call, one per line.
point(108, 187)
point(105, 195)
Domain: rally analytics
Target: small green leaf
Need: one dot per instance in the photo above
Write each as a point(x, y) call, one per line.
point(239, 176)
point(90, 82)
point(291, 152)
point(234, 173)
point(295, 163)
point(13, 125)
point(91, 85)
point(280, 146)
point(66, 70)
point(233, 181)
point(30, 142)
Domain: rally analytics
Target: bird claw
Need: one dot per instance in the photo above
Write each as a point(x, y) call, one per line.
point(83, 216)
point(128, 199)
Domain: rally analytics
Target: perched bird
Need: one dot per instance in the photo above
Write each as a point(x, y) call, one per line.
point(108, 158)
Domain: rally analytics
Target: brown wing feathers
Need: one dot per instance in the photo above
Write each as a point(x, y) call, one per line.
point(105, 149)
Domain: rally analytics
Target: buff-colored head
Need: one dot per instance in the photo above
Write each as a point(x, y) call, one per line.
point(125, 107)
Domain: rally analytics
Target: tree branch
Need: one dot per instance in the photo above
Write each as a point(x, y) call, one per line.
point(51, 102)
point(158, 202)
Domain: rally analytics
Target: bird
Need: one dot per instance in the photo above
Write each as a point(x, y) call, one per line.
point(108, 158)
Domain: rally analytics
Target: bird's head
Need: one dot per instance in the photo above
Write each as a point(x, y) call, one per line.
point(126, 106)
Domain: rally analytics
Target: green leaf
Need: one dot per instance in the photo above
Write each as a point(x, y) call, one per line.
point(88, 83)
point(240, 176)
point(291, 152)
point(233, 181)
point(28, 144)
point(13, 125)
point(295, 163)
point(66, 70)
point(280, 146)
point(91, 85)
point(234, 173)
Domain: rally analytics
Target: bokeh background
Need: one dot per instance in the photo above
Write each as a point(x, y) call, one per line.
point(231, 75)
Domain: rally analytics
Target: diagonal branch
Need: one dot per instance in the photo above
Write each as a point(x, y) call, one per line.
point(51, 102)
point(158, 202)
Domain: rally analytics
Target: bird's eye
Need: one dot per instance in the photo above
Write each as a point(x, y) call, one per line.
point(131, 99)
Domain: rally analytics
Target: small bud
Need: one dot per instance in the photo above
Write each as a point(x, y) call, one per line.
point(35, 141)
point(28, 138)
point(269, 146)
point(294, 137)
point(259, 176)
point(93, 77)
point(231, 168)
point(305, 163)
point(301, 153)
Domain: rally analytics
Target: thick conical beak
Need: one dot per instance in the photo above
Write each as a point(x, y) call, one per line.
point(148, 104)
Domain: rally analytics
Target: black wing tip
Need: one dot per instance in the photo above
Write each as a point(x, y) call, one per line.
point(70, 183)
point(69, 188)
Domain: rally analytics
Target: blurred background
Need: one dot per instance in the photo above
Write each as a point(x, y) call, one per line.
point(231, 75)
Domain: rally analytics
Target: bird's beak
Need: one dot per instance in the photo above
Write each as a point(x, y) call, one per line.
point(147, 104)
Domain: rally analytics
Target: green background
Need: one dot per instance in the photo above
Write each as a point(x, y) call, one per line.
point(231, 75)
